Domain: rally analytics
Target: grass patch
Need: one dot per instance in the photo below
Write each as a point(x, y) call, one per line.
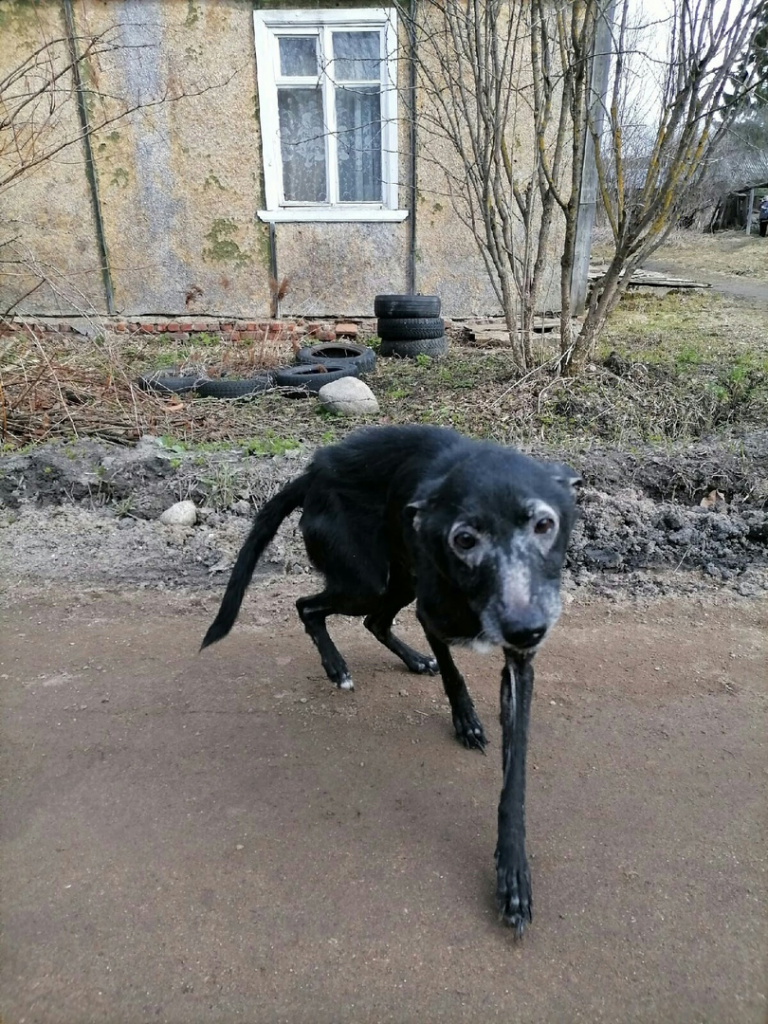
point(271, 444)
point(691, 364)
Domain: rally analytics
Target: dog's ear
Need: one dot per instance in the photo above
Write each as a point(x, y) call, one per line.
point(411, 512)
point(568, 477)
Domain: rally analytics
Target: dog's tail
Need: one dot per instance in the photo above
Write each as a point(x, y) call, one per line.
point(263, 530)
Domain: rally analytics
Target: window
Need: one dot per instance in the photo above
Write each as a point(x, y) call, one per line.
point(328, 100)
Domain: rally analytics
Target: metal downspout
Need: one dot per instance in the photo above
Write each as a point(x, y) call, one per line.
point(411, 267)
point(90, 167)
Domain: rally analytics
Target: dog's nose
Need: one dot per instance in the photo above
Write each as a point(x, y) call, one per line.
point(524, 634)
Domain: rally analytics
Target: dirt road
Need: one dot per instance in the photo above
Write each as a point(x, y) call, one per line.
point(222, 837)
point(743, 288)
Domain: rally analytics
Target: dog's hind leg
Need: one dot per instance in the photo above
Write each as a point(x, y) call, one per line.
point(469, 728)
point(379, 622)
point(313, 611)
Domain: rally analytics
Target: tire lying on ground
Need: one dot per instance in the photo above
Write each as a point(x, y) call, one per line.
point(411, 328)
point(169, 383)
point(238, 388)
point(400, 349)
point(312, 377)
point(340, 353)
point(406, 305)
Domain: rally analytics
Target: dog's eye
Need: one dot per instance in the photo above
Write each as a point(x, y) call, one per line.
point(464, 540)
point(544, 525)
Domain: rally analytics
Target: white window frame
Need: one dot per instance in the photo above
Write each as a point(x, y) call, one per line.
point(268, 26)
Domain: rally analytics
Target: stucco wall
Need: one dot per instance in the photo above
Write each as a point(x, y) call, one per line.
point(179, 181)
point(46, 210)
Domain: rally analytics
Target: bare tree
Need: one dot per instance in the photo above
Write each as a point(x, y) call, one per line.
point(686, 85)
point(475, 123)
point(512, 111)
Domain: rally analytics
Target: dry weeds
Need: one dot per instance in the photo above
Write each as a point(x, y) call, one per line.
point(73, 386)
point(690, 365)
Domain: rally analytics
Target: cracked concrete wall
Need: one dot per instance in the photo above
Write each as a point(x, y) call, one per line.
point(180, 180)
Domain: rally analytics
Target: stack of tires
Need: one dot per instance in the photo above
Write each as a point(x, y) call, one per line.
point(410, 326)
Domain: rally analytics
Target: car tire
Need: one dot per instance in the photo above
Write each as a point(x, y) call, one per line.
point(411, 329)
point(169, 383)
point(406, 305)
point(312, 377)
point(435, 348)
point(340, 353)
point(238, 388)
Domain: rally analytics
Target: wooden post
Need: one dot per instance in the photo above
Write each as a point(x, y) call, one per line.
point(750, 208)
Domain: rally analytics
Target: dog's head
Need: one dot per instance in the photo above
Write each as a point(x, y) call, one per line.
point(494, 529)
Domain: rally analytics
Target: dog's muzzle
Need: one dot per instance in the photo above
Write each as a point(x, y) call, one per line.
point(524, 632)
point(521, 630)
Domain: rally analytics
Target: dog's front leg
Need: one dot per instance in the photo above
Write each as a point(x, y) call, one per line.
point(469, 728)
point(513, 878)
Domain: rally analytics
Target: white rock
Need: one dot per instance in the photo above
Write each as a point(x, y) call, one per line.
point(348, 396)
point(183, 513)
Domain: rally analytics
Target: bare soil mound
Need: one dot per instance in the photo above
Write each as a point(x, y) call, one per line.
point(89, 510)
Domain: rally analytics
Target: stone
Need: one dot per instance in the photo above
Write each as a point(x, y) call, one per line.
point(349, 397)
point(183, 513)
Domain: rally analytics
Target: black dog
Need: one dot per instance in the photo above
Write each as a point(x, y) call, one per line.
point(477, 534)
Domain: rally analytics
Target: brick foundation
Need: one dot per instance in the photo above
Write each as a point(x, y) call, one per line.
point(229, 330)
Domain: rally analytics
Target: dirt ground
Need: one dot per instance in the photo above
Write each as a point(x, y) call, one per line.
point(723, 256)
point(224, 837)
point(196, 839)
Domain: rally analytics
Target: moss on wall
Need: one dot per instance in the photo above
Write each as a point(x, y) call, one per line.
point(193, 14)
point(262, 243)
point(223, 247)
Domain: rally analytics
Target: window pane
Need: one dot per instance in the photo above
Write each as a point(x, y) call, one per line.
point(302, 144)
point(358, 122)
point(356, 56)
point(298, 55)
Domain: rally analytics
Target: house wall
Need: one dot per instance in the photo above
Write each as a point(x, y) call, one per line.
point(47, 241)
point(179, 182)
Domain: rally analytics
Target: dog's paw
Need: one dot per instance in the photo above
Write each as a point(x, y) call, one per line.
point(423, 665)
point(469, 729)
point(345, 682)
point(513, 893)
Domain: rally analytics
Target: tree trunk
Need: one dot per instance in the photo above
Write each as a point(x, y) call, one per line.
point(604, 299)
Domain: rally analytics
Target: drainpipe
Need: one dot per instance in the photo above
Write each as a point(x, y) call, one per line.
point(90, 167)
point(273, 271)
point(411, 267)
